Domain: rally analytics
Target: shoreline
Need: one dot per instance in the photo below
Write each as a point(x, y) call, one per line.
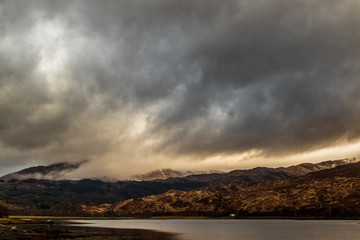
point(19, 217)
point(43, 229)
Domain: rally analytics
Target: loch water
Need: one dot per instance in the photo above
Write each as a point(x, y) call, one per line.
point(234, 229)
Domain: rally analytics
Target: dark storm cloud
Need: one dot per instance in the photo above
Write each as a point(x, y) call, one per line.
point(211, 77)
point(284, 74)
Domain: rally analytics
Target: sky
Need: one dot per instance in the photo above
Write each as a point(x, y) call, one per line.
point(137, 85)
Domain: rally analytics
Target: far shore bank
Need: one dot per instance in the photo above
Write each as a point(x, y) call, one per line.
point(48, 228)
point(60, 218)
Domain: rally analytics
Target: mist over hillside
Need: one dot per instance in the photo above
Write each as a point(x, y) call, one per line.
point(55, 171)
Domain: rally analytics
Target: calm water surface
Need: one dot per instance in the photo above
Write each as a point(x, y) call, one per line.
point(210, 229)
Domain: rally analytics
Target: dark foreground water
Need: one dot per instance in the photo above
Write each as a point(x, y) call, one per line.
point(210, 229)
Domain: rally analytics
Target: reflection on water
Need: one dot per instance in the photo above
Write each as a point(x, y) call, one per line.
point(237, 229)
point(114, 233)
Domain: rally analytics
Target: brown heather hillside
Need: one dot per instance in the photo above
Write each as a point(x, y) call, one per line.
point(328, 193)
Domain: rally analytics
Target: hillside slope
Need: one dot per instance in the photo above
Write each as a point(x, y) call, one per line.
point(328, 193)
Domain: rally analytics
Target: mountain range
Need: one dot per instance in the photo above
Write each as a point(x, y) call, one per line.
point(260, 174)
point(215, 194)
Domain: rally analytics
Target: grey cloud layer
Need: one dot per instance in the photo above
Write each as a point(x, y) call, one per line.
point(210, 77)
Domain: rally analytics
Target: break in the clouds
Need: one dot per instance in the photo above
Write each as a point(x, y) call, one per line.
point(139, 84)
